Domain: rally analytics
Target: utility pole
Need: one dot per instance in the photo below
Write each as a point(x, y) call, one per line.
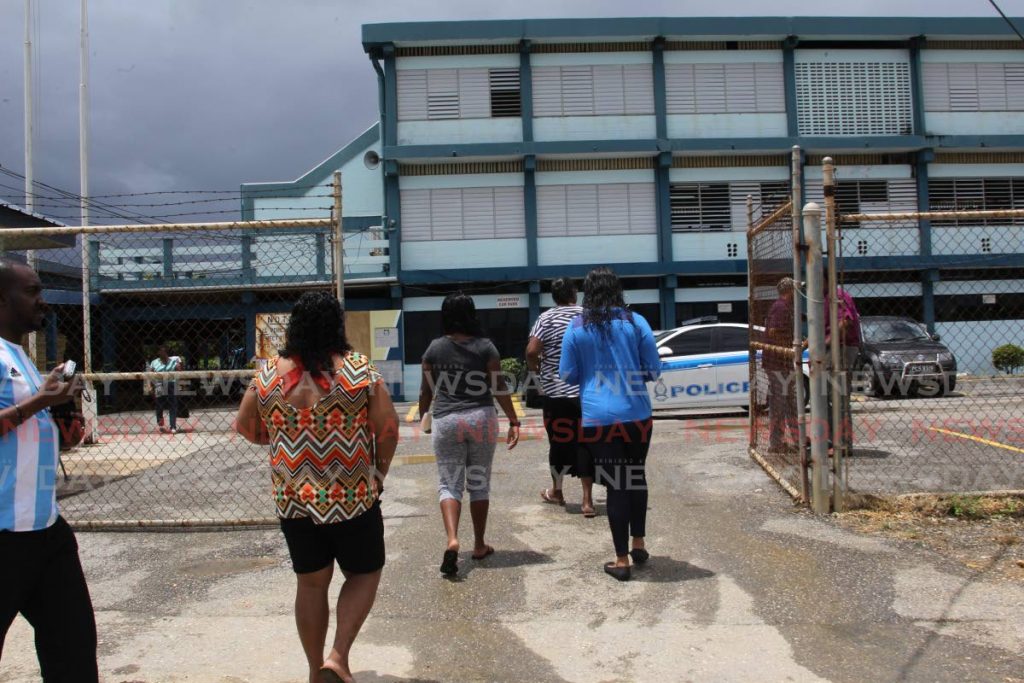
point(90, 409)
point(30, 202)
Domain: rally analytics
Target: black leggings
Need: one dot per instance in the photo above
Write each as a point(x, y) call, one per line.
point(42, 579)
point(620, 457)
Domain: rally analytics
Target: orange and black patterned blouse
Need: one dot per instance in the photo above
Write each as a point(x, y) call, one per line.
point(321, 458)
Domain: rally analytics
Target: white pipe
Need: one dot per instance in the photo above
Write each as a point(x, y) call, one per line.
point(816, 347)
point(90, 409)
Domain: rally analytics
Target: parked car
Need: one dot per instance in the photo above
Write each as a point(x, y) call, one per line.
point(899, 356)
point(704, 365)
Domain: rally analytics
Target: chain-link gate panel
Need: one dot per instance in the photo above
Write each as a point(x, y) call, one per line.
point(174, 322)
point(777, 383)
point(938, 376)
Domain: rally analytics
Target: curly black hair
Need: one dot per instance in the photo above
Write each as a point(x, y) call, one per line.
point(602, 298)
point(563, 291)
point(316, 330)
point(458, 315)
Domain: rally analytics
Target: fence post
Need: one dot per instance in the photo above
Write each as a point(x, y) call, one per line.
point(816, 347)
point(752, 355)
point(837, 377)
point(796, 189)
point(339, 247)
point(90, 409)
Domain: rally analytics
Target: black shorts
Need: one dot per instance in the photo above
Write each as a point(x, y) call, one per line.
point(562, 418)
point(356, 544)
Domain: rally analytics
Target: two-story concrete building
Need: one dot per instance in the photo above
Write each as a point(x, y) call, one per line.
point(512, 152)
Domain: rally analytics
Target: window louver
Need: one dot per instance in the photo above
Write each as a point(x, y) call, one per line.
point(973, 87)
point(976, 194)
point(462, 213)
point(605, 90)
point(724, 88)
point(469, 93)
point(505, 92)
point(590, 209)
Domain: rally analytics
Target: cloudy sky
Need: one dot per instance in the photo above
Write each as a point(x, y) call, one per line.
point(207, 94)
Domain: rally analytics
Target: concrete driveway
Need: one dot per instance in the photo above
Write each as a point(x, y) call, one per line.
point(741, 587)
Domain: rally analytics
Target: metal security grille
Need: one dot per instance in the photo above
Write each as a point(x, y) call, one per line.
point(117, 293)
point(937, 383)
point(853, 98)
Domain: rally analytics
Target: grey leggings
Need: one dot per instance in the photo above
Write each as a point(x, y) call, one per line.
point(464, 444)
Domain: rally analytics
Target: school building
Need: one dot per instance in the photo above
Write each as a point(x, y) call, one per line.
point(511, 152)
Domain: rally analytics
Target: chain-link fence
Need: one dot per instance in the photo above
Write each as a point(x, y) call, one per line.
point(777, 381)
point(168, 323)
point(937, 369)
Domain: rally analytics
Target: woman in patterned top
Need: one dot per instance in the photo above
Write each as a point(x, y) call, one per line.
point(332, 430)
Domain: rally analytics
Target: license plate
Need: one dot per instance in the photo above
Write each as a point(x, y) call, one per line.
point(921, 369)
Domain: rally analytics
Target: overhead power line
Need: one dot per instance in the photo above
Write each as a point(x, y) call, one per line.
point(1006, 19)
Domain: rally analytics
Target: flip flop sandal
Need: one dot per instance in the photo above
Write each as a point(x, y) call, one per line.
point(487, 553)
point(589, 514)
point(326, 675)
point(450, 563)
point(554, 500)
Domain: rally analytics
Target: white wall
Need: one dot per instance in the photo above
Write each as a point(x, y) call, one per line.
point(456, 254)
point(595, 250)
point(708, 246)
point(456, 131)
point(972, 342)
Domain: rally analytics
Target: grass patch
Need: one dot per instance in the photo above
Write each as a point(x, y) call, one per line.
point(968, 507)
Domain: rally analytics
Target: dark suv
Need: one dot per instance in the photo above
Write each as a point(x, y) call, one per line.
point(898, 356)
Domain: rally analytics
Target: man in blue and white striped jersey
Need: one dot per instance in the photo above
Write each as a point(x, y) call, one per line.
point(40, 573)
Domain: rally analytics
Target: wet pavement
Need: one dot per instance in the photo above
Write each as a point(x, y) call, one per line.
point(741, 586)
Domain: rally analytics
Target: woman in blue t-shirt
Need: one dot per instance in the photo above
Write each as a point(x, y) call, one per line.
point(609, 352)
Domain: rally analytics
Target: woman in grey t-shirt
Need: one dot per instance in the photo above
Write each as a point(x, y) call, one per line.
point(462, 378)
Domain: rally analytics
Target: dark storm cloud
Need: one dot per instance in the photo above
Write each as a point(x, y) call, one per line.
point(190, 94)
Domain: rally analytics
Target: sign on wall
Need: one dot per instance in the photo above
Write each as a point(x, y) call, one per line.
point(510, 301)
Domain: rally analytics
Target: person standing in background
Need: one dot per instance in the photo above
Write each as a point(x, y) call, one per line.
point(562, 413)
point(165, 391)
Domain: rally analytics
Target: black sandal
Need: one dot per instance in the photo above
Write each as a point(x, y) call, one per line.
point(450, 563)
point(639, 555)
point(620, 573)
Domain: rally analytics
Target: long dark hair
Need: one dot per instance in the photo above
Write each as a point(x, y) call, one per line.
point(602, 295)
point(315, 331)
point(458, 315)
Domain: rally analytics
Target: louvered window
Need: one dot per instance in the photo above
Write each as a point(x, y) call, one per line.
point(505, 93)
point(700, 207)
point(973, 87)
point(462, 214)
point(606, 209)
point(853, 98)
point(703, 207)
point(472, 93)
point(724, 88)
point(868, 196)
point(605, 90)
point(976, 194)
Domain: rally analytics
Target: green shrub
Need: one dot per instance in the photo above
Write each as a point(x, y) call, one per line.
point(1009, 358)
point(514, 370)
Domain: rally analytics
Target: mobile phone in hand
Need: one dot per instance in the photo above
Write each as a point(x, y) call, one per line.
point(69, 370)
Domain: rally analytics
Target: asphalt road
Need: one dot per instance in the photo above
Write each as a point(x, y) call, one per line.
point(741, 587)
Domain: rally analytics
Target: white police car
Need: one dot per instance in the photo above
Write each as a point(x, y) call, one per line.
point(703, 366)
